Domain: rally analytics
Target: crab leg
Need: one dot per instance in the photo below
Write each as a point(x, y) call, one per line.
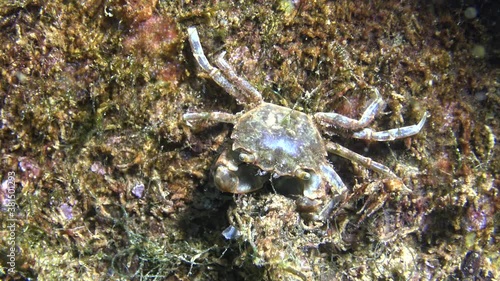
point(253, 96)
point(391, 134)
point(211, 116)
point(333, 178)
point(338, 120)
point(353, 156)
point(213, 72)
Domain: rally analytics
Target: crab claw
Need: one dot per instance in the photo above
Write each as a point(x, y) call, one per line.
point(234, 176)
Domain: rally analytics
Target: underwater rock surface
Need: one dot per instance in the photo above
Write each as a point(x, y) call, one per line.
point(102, 179)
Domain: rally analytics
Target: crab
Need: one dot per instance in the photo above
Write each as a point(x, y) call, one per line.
point(272, 143)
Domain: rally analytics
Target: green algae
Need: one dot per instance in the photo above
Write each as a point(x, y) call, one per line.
point(92, 107)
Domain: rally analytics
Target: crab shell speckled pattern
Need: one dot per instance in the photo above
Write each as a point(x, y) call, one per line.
point(283, 142)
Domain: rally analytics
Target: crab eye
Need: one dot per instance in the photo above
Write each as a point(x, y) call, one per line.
point(246, 157)
point(312, 186)
point(303, 175)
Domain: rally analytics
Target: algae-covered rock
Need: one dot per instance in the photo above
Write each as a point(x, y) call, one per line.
point(108, 182)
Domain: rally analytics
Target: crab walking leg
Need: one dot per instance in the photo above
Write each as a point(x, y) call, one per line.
point(338, 120)
point(353, 156)
point(213, 72)
point(211, 116)
point(391, 134)
point(253, 96)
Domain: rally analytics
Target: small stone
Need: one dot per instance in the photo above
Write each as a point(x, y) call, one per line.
point(231, 233)
point(478, 51)
point(470, 13)
point(138, 190)
point(98, 168)
point(66, 211)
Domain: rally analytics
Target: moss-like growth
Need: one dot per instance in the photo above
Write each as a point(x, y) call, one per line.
point(92, 99)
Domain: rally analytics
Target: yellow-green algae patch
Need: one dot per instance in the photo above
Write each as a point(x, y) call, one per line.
point(112, 184)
